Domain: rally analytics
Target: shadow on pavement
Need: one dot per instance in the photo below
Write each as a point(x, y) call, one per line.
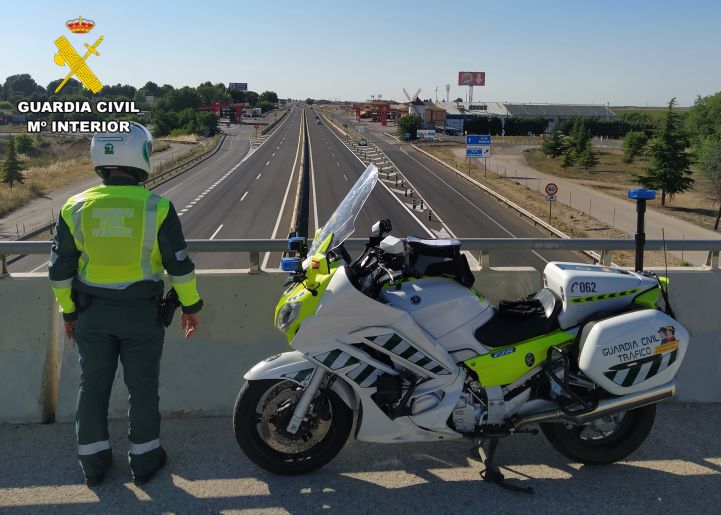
point(678, 469)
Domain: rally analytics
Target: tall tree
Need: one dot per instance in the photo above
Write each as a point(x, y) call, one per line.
point(410, 124)
point(553, 145)
point(704, 118)
point(670, 169)
point(709, 164)
point(632, 145)
point(12, 167)
point(586, 157)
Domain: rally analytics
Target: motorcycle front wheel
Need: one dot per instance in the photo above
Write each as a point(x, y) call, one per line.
point(263, 410)
point(602, 441)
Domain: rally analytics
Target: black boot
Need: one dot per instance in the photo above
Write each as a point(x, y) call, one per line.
point(141, 480)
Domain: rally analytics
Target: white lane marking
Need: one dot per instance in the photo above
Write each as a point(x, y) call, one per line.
point(243, 197)
point(346, 178)
point(382, 183)
point(312, 185)
point(474, 206)
point(266, 164)
point(337, 163)
point(273, 154)
point(287, 190)
point(216, 231)
point(258, 176)
point(39, 267)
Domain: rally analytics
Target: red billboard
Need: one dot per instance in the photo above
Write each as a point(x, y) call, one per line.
point(471, 78)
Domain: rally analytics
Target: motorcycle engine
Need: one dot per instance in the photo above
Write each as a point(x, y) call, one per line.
point(467, 413)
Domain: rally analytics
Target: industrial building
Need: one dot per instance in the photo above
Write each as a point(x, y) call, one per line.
point(457, 112)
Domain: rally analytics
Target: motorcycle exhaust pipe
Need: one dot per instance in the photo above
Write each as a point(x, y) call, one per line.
point(605, 408)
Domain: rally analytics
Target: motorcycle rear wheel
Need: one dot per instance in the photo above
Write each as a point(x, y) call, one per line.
point(605, 441)
point(262, 412)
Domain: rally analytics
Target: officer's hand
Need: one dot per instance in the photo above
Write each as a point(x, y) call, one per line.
point(70, 329)
point(189, 323)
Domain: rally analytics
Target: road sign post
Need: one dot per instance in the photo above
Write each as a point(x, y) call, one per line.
point(551, 191)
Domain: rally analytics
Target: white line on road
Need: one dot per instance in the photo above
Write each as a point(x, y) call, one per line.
point(243, 197)
point(346, 178)
point(312, 185)
point(273, 154)
point(216, 231)
point(266, 164)
point(39, 267)
point(258, 176)
point(287, 190)
point(337, 163)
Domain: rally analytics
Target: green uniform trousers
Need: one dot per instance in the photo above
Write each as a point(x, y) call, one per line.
point(130, 330)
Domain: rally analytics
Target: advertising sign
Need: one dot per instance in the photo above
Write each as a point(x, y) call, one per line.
point(239, 86)
point(471, 78)
point(426, 134)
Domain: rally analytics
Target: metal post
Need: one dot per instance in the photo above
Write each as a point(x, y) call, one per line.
point(640, 196)
point(640, 233)
point(254, 262)
point(3, 265)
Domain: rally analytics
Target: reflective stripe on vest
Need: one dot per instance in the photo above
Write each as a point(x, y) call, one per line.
point(116, 230)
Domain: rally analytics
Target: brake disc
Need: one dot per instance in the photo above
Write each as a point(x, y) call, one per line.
point(275, 413)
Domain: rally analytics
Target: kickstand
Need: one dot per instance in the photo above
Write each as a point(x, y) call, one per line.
point(492, 474)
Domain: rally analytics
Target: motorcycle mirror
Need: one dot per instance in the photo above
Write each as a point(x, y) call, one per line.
point(291, 264)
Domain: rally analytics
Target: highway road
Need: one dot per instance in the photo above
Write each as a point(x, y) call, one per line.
point(237, 193)
point(248, 191)
point(466, 211)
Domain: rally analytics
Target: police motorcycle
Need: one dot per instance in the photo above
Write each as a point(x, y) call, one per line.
point(398, 342)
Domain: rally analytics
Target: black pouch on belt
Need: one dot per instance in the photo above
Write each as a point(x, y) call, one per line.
point(169, 305)
point(81, 299)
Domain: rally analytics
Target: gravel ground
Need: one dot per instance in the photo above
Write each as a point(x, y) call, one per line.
point(677, 470)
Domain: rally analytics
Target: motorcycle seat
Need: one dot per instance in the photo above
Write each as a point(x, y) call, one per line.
point(517, 321)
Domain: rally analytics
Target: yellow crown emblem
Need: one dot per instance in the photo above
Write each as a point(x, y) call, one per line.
point(80, 25)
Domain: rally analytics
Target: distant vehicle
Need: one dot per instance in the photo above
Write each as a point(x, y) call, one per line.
point(363, 142)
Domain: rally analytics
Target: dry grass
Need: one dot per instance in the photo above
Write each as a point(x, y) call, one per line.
point(185, 138)
point(697, 206)
point(64, 162)
point(567, 219)
point(41, 180)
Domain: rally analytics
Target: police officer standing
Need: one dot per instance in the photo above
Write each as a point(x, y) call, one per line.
point(110, 248)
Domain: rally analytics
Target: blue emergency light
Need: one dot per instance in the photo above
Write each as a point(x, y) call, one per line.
point(291, 264)
point(641, 194)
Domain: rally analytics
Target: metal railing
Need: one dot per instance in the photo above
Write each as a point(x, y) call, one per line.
point(484, 246)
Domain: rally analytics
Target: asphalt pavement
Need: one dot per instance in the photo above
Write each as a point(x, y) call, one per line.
point(466, 211)
point(677, 470)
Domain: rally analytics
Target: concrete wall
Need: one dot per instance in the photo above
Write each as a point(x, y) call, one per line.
point(39, 369)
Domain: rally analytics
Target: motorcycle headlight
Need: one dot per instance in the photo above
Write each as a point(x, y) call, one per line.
point(287, 315)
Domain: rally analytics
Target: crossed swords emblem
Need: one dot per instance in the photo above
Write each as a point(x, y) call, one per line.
point(67, 55)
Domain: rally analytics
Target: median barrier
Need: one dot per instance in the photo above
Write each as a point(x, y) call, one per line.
point(202, 375)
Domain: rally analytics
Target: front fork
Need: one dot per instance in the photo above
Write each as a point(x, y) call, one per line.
point(306, 398)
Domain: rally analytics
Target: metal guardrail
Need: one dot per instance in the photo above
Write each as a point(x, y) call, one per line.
point(483, 245)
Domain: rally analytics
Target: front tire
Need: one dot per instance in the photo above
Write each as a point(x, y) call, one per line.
point(262, 412)
point(604, 441)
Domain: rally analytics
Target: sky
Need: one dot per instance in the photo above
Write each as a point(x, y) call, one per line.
point(632, 52)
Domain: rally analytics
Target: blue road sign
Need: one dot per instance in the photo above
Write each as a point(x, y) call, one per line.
point(478, 151)
point(478, 139)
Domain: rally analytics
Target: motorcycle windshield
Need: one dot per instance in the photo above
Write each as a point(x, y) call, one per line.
point(342, 222)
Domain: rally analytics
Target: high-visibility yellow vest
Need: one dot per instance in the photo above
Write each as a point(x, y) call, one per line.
point(115, 228)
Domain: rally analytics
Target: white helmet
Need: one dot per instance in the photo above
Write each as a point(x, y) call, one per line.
point(125, 150)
